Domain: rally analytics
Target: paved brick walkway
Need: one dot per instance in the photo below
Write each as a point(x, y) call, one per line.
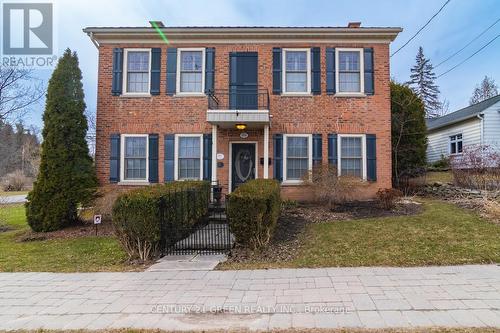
point(260, 299)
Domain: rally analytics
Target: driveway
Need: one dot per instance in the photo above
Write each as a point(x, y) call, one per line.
point(11, 199)
point(454, 296)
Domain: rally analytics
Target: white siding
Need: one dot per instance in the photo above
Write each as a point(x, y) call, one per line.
point(439, 140)
point(492, 126)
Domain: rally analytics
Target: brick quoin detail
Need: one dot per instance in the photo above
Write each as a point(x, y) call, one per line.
point(322, 114)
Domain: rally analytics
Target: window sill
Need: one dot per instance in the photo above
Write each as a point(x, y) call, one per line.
point(190, 95)
point(130, 95)
point(292, 183)
point(285, 94)
point(355, 95)
point(134, 182)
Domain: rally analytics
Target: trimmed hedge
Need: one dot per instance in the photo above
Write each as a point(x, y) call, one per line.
point(137, 215)
point(253, 211)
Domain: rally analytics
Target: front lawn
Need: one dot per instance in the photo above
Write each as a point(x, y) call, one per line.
point(442, 234)
point(73, 254)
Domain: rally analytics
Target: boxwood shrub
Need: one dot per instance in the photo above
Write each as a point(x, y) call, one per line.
point(138, 215)
point(253, 211)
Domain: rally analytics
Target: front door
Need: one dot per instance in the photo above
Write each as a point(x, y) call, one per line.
point(242, 163)
point(243, 88)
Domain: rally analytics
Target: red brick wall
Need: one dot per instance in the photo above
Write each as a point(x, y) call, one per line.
point(312, 114)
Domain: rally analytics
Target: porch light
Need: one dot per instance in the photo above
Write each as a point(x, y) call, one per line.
point(241, 127)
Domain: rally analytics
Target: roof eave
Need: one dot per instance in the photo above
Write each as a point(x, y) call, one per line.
point(455, 121)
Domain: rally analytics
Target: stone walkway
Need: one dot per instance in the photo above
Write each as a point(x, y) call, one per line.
point(260, 299)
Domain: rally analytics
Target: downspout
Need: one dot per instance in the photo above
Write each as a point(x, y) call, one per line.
point(91, 36)
point(481, 128)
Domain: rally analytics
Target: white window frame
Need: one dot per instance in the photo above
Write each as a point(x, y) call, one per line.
point(309, 153)
point(361, 72)
point(178, 72)
point(176, 155)
point(450, 141)
point(363, 153)
point(122, 159)
point(283, 72)
point(125, 72)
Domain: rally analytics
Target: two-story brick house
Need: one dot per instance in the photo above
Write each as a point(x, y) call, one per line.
point(229, 104)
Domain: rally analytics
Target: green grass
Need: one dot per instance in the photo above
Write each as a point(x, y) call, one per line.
point(442, 235)
point(84, 254)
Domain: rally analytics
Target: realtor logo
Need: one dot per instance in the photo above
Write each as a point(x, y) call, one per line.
point(27, 28)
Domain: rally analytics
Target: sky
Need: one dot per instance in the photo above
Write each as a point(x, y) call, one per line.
point(458, 23)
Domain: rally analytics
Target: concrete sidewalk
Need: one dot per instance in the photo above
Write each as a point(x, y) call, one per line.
point(12, 199)
point(453, 296)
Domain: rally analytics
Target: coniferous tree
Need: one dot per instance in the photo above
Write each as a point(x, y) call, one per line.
point(67, 176)
point(487, 89)
point(422, 82)
point(409, 140)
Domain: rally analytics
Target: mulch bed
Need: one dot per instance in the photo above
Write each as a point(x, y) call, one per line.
point(82, 229)
point(290, 231)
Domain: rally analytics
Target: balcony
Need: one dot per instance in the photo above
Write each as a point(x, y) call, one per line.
point(247, 105)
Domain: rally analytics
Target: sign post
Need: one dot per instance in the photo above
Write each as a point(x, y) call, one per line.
point(97, 220)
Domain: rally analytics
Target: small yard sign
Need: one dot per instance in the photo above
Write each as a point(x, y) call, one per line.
point(97, 219)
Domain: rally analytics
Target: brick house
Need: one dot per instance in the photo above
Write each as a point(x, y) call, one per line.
point(229, 104)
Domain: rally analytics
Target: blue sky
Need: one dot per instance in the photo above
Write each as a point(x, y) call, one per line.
point(456, 25)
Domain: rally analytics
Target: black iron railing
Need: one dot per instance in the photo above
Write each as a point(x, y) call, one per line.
point(239, 98)
point(209, 234)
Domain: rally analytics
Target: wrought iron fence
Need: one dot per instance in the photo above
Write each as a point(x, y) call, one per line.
point(208, 234)
point(239, 98)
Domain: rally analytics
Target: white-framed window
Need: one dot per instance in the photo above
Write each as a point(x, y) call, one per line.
point(137, 71)
point(188, 156)
point(297, 157)
point(191, 71)
point(456, 144)
point(349, 74)
point(134, 158)
point(296, 71)
point(352, 155)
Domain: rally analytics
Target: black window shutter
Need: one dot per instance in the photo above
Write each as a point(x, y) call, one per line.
point(369, 71)
point(117, 81)
point(317, 149)
point(114, 158)
point(171, 70)
point(278, 157)
point(332, 149)
point(153, 158)
point(277, 71)
point(316, 70)
point(330, 70)
point(371, 157)
point(207, 156)
point(155, 71)
point(209, 69)
point(169, 157)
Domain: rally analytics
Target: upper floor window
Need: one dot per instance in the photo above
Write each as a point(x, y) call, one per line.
point(137, 71)
point(189, 157)
point(352, 156)
point(298, 157)
point(134, 157)
point(350, 71)
point(456, 144)
point(191, 69)
point(296, 73)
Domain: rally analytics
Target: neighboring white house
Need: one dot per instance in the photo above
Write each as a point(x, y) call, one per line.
point(474, 125)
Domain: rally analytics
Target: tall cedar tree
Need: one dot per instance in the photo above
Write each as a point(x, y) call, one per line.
point(67, 176)
point(422, 80)
point(487, 89)
point(409, 141)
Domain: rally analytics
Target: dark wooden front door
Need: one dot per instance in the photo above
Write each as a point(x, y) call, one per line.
point(242, 164)
point(243, 88)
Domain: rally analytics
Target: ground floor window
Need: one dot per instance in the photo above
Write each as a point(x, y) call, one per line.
point(298, 157)
point(456, 144)
point(135, 153)
point(189, 157)
point(352, 156)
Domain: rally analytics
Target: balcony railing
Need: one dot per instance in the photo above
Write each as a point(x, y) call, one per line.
point(239, 98)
